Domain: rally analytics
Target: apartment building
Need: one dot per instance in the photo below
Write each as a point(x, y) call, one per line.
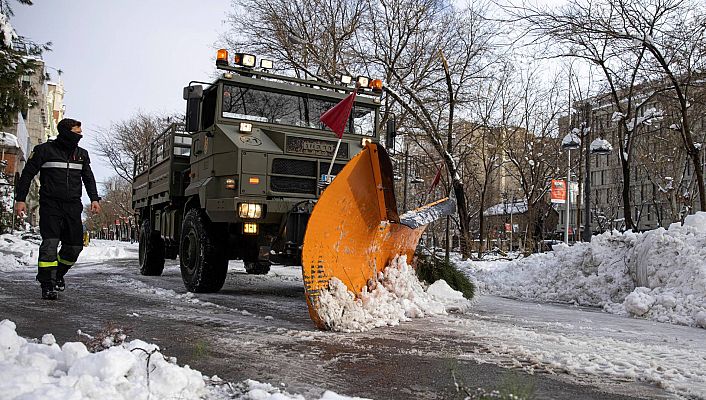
point(662, 181)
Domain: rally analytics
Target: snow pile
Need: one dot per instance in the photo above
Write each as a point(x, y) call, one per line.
point(660, 275)
point(17, 253)
point(142, 287)
point(397, 296)
point(136, 370)
point(100, 250)
point(103, 252)
point(254, 390)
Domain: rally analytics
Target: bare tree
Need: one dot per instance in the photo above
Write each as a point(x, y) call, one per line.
point(430, 87)
point(116, 204)
point(532, 145)
point(429, 51)
point(120, 142)
point(660, 42)
point(314, 36)
point(481, 145)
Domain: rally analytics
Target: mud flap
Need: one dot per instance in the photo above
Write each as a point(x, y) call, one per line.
point(355, 231)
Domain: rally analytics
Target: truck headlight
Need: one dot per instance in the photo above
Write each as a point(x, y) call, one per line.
point(230, 184)
point(249, 210)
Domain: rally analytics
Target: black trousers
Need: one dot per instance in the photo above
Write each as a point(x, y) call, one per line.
point(60, 221)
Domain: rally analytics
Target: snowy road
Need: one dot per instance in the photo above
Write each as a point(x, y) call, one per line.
point(257, 327)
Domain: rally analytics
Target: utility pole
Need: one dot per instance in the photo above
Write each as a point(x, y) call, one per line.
point(587, 181)
point(568, 197)
point(406, 178)
point(512, 227)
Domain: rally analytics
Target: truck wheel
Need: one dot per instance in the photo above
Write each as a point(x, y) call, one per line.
point(151, 251)
point(257, 267)
point(202, 256)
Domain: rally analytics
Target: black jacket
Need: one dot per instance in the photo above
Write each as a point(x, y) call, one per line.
point(61, 169)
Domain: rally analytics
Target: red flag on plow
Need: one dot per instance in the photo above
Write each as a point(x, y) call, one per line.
point(437, 178)
point(337, 117)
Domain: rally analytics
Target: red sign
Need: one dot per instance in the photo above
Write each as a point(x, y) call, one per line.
point(558, 191)
point(508, 228)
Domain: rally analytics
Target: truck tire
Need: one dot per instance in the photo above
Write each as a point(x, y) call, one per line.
point(202, 256)
point(151, 251)
point(257, 267)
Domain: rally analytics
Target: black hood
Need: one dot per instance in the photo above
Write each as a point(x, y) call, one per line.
point(67, 140)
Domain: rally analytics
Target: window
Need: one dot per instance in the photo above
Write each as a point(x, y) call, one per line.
point(290, 109)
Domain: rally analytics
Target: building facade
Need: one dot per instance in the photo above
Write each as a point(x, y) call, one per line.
point(662, 185)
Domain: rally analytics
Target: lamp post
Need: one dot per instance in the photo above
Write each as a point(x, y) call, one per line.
point(599, 146)
point(570, 142)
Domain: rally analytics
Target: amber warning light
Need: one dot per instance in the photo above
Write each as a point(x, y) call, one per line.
point(222, 57)
point(376, 85)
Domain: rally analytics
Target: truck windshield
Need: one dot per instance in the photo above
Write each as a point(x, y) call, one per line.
point(290, 109)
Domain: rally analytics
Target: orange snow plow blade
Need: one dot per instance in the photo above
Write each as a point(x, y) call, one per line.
point(355, 231)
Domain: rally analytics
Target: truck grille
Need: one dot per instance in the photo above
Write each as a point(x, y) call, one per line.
point(292, 185)
point(286, 166)
point(334, 171)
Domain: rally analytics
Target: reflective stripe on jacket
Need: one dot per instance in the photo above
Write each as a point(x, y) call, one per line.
point(60, 174)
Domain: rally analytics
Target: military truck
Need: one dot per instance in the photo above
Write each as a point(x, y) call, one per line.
point(238, 180)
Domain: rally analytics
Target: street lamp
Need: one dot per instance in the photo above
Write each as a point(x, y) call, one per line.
point(599, 146)
point(570, 142)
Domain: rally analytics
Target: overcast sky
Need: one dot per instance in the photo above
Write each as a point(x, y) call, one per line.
point(121, 56)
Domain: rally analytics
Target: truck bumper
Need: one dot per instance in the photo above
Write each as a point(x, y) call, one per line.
point(226, 209)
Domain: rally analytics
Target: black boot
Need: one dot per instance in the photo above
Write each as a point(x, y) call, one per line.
point(46, 277)
point(60, 284)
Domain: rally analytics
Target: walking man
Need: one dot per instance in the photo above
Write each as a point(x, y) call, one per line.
point(62, 165)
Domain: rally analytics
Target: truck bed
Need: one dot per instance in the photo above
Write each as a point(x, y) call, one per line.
point(161, 170)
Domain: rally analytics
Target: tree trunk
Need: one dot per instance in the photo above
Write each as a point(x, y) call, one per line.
point(627, 206)
point(481, 234)
point(463, 219)
point(698, 170)
point(481, 224)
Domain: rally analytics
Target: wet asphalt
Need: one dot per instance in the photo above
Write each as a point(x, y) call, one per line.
point(257, 327)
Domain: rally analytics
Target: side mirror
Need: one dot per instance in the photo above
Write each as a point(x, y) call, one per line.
point(390, 133)
point(193, 95)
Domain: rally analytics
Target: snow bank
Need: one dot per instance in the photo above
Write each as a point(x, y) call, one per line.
point(21, 254)
point(659, 275)
point(45, 370)
point(17, 253)
point(136, 370)
point(397, 296)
